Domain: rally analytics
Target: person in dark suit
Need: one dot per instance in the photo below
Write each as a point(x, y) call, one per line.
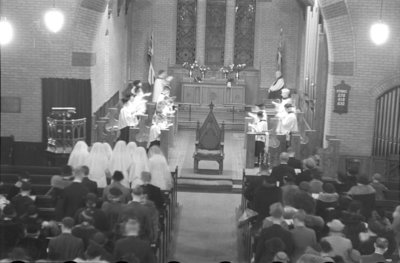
point(282, 170)
point(135, 209)
point(276, 230)
point(33, 243)
point(264, 196)
point(90, 185)
point(131, 247)
point(293, 162)
point(65, 246)
point(11, 230)
point(153, 192)
point(23, 200)
point(74, 195)
point(381, 246)
point(309, 168)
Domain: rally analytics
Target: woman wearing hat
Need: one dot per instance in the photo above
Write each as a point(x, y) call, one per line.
point(341, 246)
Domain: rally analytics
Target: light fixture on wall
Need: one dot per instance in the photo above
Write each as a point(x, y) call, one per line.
point(54, 19)
point(379, 31)
point(6, 31)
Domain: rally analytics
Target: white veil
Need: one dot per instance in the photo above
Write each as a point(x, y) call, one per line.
point(131, 149)
point(97, 162)
point(160, 173)
point(108, 149)
point(140, 163)
point(120, 161)
point(79, 154)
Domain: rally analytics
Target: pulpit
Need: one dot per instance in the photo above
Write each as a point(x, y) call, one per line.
point(209, 142)
point(63, 132)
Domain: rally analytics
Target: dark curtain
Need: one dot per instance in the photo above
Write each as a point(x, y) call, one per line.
point(67, 93)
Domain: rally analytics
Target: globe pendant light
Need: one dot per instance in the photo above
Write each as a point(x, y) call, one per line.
point(379, 32)
point(54, 19)
point(6, 31)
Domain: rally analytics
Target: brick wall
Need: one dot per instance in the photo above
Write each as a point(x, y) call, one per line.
point(367, 68)
point(80, 50)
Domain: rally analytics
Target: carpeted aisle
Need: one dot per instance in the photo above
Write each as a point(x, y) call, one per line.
point(206, 230)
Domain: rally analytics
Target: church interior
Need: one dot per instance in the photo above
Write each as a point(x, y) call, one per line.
point(243, 131)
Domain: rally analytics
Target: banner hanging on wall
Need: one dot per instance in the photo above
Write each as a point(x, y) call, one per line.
point(342, 93)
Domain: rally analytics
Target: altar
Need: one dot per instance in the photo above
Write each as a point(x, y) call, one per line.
point(217, 91)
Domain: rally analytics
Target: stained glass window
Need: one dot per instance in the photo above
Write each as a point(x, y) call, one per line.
point(186, 31)
point(244, 31)
point(215, 32)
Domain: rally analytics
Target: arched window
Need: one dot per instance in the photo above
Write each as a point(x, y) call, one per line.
point(387, 122)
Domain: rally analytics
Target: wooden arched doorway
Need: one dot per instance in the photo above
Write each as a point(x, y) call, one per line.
point(387, 124)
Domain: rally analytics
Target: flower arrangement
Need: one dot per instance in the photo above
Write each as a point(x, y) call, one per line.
point(203, 69)
point(239, 67)
point(226, 70)
point(190, 67)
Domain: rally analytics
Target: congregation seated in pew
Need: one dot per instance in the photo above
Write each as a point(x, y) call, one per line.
point(94, 225)
point(344, 226)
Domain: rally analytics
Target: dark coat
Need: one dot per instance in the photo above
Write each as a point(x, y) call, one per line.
point(21, 204)
point(90, 185)
point(264, 196)
point(281, 171)
point(143, 214)
point(133, 247)
point(154, 194)
point(65, 247)
point(73, 198)
point(295, 163)
point(274, 231)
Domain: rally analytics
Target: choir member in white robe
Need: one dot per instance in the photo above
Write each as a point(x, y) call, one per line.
point(159, 83)
point(154, 150)
point(280, 106)
point(98, 165)
point(140, 163)
point(160, 173)
point(274, 92)
point(288, 123)
point(120, 161)
point(261, 126)
point(78, 155)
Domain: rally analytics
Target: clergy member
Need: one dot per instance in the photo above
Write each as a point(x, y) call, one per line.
point(274, 92)
point(159, 84)
point(288, 123)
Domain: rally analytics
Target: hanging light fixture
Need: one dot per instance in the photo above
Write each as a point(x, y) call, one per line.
point(379, 31)
point(6, 31)
point(54, 19)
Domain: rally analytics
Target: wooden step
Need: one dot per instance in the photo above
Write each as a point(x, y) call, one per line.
point(35, 178)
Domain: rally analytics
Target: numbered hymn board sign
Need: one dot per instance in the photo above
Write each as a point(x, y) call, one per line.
point(342, 93)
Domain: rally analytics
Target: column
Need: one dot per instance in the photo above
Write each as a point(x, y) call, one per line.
point(230, 32)
point(201, 31)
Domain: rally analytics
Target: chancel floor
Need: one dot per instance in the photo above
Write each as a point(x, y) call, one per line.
point(206, 228)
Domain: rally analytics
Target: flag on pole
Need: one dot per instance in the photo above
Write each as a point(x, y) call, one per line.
point(152, 75)
point(279, 53)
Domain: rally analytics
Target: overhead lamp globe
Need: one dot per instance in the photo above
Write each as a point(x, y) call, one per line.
point(379, 33)
point(6, 31)
point(54, 20)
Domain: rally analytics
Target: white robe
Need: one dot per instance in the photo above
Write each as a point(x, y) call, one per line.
point(158, 88)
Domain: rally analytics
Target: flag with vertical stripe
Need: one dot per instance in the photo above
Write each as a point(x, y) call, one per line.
point(279, 53)
point(152, 75)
